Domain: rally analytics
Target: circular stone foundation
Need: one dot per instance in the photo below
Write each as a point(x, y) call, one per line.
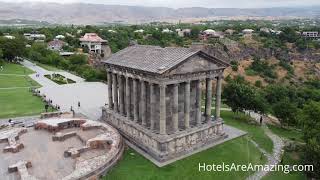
point(59, 148)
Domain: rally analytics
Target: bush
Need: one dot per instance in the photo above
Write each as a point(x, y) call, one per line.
point(262, 68)
point(258, 83)
point(234, 65)
point(287, 67)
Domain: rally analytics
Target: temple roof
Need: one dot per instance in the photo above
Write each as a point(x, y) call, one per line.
point(154, 59)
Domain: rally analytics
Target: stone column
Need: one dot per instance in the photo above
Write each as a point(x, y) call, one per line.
point(198, 102)
point(208, 99)
point(162, 123)
point(128, 97)
point(115, 92)
point(142, 110)
point(152, 106)
point(187, 105)
point(218, 96)
point(175, 117)
point(121, 94)
point(110, 90)
point(135, 101)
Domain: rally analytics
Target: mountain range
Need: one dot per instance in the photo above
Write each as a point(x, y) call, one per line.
point(81, 13)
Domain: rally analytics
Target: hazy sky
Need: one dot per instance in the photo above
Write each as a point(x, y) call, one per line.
point(195, 3)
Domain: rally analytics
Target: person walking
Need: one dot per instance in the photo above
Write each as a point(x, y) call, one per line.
point(78, 104)
point(261, 120)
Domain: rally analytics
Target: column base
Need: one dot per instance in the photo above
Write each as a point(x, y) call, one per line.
point(165, 149)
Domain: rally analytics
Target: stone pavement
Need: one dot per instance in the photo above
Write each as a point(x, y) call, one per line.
point(91, 95)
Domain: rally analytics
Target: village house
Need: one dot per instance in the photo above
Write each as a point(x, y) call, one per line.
point(166, 31)
point(94, 43)
point(229, 31)
point(60, 36)
point(210, 33)
point(34, 36)
point(311, 34)
point(139, 31)
point(183, 32)
point(247, 31)
point(56, 45)
point(9, 36)
point(112, 31)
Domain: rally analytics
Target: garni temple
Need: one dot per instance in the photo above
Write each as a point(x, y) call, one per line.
point(165, 101)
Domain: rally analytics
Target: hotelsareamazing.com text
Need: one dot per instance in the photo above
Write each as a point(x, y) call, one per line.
point(233, 167)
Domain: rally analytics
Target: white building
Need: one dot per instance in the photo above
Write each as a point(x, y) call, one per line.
point(60, 36)
point(209, 31)
point(32, 36)
point(139, 31)
point(166, 31)
point(93, 42)
point(112, 31)
point(310, 34)
point(9, 37)
point(183, 32)
point(247, 31)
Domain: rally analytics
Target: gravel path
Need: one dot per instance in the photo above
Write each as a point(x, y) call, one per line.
point(272, 159)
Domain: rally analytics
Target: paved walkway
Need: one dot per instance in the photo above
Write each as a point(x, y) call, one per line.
point(91, 95)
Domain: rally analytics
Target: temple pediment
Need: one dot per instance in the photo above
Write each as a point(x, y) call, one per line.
point(196, 63)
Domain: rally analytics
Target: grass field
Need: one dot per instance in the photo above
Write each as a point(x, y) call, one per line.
point(18, 101)
point(254, 131)
point(239, 151)
point(47, 67)
point(10, 81)
point(287, 133)
point(9, 68)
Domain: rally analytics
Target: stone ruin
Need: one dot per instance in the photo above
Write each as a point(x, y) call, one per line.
point(11, 136)
point(103, 140)
point(21, 167)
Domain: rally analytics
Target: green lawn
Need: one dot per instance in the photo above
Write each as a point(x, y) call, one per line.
point(133, 166)
point(9, 81)
point(47, 67)
point(254, 131)
point(287, 133)
point(9, 68)
point(18, 102)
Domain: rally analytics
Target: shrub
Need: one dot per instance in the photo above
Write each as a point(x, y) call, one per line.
point(258, 83)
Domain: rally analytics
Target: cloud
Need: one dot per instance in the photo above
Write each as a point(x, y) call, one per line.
point(194, 3)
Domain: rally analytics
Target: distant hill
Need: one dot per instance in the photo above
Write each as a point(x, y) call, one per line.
point(80, 13)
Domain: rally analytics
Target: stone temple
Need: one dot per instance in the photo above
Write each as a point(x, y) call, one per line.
point(156, 96)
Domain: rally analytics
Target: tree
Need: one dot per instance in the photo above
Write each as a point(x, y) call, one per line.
point(12, 48)
point(241, 96)
point(285, 111)
point(310, 116)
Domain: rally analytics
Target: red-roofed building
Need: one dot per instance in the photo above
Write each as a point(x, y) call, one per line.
point(93, 42)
